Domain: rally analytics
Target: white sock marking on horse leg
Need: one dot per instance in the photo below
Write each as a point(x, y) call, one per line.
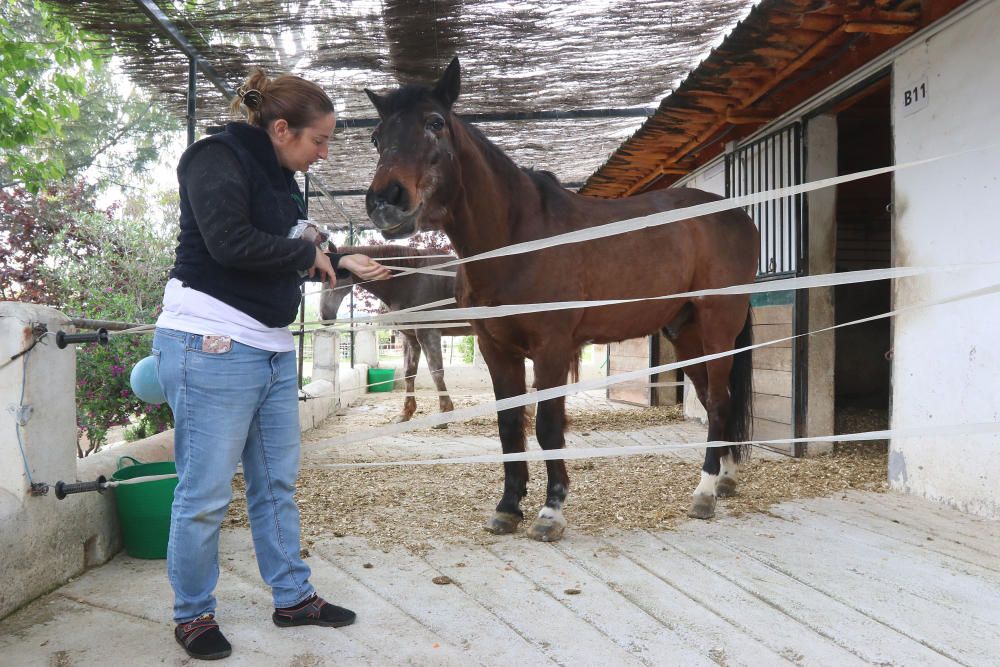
point(729, 466)
point(552, 514)
point(707, 485)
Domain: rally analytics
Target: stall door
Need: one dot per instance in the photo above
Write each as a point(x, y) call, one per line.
point(774, 161)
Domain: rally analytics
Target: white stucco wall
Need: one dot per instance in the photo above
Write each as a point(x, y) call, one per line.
point(946, 360)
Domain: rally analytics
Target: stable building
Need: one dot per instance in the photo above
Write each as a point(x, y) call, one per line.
point(802, 91)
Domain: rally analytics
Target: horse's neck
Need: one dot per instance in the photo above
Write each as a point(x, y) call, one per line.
point(496, 193)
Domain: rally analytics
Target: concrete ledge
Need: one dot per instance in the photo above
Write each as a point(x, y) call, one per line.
point(352, 383)
point(321, 400)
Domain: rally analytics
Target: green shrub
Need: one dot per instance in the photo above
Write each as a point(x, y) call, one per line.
point(120, 277)
point(467, 346)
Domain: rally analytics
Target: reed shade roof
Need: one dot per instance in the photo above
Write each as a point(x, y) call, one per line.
point(784, 52)
point(530, 55)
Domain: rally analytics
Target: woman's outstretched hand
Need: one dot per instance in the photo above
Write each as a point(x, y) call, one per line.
point(322, 268)
point(364, 267)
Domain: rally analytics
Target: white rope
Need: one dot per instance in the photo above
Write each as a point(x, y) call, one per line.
point(656, 219)
point(600, 383)
point(676, 215)
point(669, 447)
point(428, 270)
point(110, 484)
point(786, 284)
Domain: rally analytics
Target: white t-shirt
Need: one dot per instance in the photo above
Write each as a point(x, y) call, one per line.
point(189, 310)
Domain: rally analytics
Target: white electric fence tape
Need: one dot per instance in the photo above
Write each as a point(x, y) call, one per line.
point(600, 383)
point(422, 320)
point(668, 447)
point(675, 215)
point(392, 319)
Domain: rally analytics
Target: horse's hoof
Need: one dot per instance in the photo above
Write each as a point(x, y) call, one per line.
point(503, 523)
point(547, 530)
point(725, 487)
point(440, 426)
point(702, 507)
point(399, 419)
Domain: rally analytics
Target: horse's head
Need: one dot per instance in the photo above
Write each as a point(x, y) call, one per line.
point(417, 166)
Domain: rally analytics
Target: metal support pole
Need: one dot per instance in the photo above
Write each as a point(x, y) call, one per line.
point(302, 304)
point(350, 242)
point(192, 105)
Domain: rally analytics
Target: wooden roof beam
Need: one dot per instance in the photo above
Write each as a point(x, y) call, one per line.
point(879, 28)
point(748, 118)
point(702, 137)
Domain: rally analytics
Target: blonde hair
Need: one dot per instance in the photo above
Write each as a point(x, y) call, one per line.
point(290, 97)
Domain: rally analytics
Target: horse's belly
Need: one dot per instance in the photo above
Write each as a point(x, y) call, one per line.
point(615, 323)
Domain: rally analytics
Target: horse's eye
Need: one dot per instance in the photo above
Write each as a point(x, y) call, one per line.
point(436, 124)
point(374, 139)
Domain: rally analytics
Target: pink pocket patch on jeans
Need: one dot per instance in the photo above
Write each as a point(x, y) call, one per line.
point(216, 344)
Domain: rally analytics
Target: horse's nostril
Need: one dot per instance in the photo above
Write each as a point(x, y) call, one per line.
point(393, 195)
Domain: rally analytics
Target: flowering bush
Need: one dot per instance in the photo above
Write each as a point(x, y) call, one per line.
point(104, 397)
point(122, 279)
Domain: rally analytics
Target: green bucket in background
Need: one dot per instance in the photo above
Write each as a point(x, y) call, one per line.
point(381, 379)
point(144, 508)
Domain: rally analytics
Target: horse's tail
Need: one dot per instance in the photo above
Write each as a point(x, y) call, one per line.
point(740, 420)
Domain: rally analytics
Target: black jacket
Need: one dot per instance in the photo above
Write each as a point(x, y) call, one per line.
point(237, 207)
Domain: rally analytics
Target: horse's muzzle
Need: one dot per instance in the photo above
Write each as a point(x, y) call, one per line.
point(394, 223)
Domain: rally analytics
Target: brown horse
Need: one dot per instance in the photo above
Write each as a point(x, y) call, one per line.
point(398, 293)
point(437, 172)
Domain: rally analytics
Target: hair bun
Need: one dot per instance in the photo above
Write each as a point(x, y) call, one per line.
point(251, 97)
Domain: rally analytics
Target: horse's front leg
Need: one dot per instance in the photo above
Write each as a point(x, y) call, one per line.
point(430, 341)
point(550, 424)
point(411, 355)
point(507, 374)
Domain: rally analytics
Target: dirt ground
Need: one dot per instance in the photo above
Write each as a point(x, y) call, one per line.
point(415, 505)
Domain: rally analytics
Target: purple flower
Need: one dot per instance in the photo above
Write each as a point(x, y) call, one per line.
point(124, 393)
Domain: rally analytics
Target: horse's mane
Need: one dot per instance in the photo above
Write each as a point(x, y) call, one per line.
point(546, 182)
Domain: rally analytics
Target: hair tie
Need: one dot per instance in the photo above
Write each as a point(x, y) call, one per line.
point(251, 97)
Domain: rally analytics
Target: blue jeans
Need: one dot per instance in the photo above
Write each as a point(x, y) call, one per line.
point(231, 406)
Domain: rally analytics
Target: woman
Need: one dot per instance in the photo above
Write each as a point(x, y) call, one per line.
point(225, 354)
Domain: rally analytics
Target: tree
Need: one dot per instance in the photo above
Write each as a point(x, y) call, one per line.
point(31, 227)
point(44, 64)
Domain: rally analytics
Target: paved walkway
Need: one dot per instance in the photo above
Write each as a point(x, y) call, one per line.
point(855, 579)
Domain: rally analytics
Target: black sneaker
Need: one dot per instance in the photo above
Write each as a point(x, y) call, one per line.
point(313, 610)
point(202, 639)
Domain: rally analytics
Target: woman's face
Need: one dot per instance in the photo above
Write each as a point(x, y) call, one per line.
point(297, 151)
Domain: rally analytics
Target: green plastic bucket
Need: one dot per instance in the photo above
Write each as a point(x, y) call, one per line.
point(144, 508)
point(381, 379)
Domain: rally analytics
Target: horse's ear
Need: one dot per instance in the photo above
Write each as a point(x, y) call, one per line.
point(446, 90)
point(378, 101)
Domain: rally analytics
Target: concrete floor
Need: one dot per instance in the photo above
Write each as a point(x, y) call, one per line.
point(854, 579)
